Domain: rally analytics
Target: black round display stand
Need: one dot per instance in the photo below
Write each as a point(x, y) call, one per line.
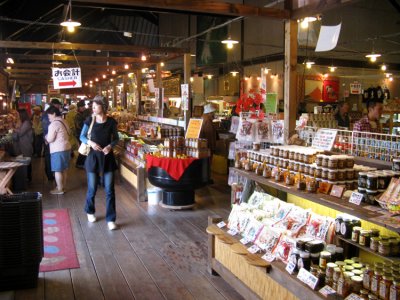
point(179, 194)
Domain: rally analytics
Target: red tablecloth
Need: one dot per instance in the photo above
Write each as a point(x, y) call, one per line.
point(175, 167)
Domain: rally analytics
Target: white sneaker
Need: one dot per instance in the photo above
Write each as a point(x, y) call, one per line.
point(91, 218)
point(112, 225)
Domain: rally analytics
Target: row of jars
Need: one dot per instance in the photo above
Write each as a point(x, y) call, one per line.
point(190, 152)
point(296, 153)
point(334, 161)
point(196, 143)
point(174, 142)
point(382, 280)
point(376, 180)
point(313, 170)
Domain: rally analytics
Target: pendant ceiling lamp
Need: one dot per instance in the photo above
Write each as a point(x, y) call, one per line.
point(70, 24)
point(229, 42)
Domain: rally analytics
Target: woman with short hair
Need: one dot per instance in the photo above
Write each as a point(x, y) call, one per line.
point(60, 148)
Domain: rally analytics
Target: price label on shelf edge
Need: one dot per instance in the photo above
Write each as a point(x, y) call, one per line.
point(356, 198)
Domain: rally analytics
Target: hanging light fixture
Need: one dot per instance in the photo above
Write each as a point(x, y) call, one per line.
point(143, 58)
point(383, 67)
point(70, 24)
point(58, 53)
point(309, 64)
point(332, 68)
point(229, 42)
point(10, 60)
point(373, 56)
point(234, 73)
point(304, 22)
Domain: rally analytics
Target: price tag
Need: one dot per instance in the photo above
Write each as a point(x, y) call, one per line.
point(337, 191)
point(268, 257)
point(290, 267)
point(244, 241)
point(221, 224)
point(327, 290)
point(232, 232)
point(253, 249)
point(307, 278)
point(356, 198)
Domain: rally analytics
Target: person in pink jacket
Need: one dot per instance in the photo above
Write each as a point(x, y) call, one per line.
point(60, 148)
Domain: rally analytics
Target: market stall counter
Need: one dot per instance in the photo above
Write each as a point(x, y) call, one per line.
point(178, 178)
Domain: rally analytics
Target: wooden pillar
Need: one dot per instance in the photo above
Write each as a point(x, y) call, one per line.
point(187, 72)
point(290, 81)
point(158, 84)
point(139, 90)
point(114, 87)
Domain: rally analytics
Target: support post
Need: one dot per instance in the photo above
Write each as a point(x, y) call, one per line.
point(211, 244)
point(290, 81)
point(187, 70)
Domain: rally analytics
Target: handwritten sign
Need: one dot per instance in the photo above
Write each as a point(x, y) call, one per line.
point(324, 139)
point(232, 232)
point(253, 249)
point(337, 191)
point(244, 241)
point(268, 257)
point(194, 128)
point(307, 278)
point(327, 290)
point(290, 267)
point(356, 198)
point(271, 103)
point(66, 78)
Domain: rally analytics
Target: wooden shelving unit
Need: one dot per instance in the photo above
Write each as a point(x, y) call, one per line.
point(342, 205)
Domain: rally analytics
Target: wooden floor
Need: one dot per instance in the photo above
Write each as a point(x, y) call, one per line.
point(156, 253)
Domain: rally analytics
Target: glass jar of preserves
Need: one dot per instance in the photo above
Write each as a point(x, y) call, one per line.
point(330, 269)
point(371, 196)
point(346, 228)
point(314, 258)
point(304, 260)
point(344, 286)
point(338, 222)
point(372, 181)
point(375, 281)
point(341, 174)
point(301, 167)
point(336, 274)
point(396, 164)
point(384, 248)
point(296, 166)
point(374, 243)
point(362, 179)
point(291, 155)
point(384, 287)
point(318, 172)
point(350, 161)
point(325, 161)
point(355, 235)
point(333, 175)
point(341, 162)
point(365, 238)
point(321, 277)
point(356, 284)
point(306, 169)
point(367, 276)
point(349, 174)
point(325, 173)
point(332, 162)
point(395, 291)
point(319, 158)
point(324, 258)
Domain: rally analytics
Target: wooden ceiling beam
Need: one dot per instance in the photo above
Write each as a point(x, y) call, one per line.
point(316, 7)
point(90, 47)
point(208, 7)
point(83, 66)
point(125, 59)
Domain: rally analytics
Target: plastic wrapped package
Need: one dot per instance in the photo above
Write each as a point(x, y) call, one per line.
point(284, 248)
point(252, 229)
point(294, 221)
point(268, 239)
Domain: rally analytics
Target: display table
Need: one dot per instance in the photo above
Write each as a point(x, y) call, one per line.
point(178, 178)
point(7, 170)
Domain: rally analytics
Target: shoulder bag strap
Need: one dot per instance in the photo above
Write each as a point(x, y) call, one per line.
point(90, 128)
point(68, 132)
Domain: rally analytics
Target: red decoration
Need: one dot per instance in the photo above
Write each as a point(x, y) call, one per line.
point(251, 102)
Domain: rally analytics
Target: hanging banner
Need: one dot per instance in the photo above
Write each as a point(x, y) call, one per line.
point(263, 84)
point(66, 78)
point(185, 96)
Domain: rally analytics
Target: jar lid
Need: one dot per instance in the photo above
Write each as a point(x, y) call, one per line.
point(304, 254)
point(333, 158)
point(315, 254)
point(357, 266)
point(325, 253)
point(372, 175)
point(339, 250)
point(331, 265)
point(340, 263)
point(372, 191)
point(349, 261)
point(348, 274)
point(356, 279)
point(357, 272)
point(357, 228)
point(365, 231)
point(349, 268)
point(362, 174)
point(337, 269)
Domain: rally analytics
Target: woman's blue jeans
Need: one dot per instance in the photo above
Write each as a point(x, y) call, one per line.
point(108, 181)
